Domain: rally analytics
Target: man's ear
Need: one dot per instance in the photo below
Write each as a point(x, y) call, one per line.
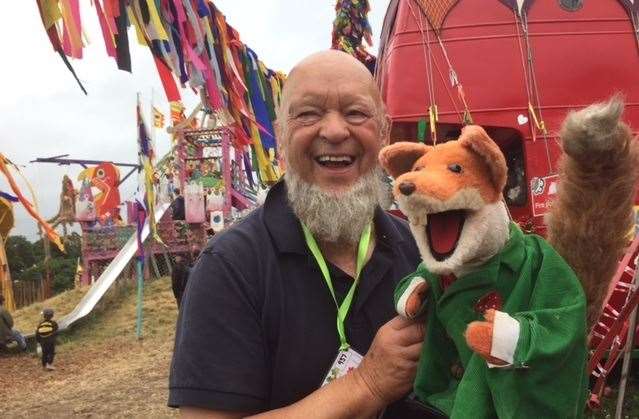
point(385, 129)
point(399, 158)
point(475, 138)
point(277, 128)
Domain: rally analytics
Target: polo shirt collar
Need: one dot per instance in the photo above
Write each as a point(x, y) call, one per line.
point(286, 231)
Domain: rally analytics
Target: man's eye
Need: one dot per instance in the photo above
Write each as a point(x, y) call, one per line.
point(307, 116)
point(356, 116)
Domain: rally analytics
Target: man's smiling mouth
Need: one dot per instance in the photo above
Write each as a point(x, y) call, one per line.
point(335, 161)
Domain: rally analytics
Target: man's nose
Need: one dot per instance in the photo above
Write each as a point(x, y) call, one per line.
point(334, 127)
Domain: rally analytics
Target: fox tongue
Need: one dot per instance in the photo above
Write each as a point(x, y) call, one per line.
point(444, 229)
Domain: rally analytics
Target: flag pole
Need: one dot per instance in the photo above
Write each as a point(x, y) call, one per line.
point(139, 265)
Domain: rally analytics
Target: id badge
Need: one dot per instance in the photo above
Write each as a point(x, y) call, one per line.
point(343, 364)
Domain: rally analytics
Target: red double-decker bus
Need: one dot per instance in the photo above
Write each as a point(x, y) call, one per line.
point(515, 67)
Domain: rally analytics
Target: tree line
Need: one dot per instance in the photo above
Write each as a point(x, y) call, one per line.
point(27, 261)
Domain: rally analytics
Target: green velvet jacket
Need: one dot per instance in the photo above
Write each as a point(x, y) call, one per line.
point(547, 378)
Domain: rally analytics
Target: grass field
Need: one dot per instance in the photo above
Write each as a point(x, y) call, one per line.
point(103, 370)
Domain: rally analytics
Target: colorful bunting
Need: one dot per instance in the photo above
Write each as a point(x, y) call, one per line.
point(146, 156)
point(31, 209)
point(158, 118)
point(190, 41)
point(350, 27)
point(8, 197)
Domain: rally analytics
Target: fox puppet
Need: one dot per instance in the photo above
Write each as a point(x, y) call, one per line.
point(506, 314)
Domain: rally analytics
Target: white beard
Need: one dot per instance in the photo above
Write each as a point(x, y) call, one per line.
point(337, 217)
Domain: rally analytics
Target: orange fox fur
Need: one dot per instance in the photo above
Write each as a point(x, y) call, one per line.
point(427, 182)
point(588, 223)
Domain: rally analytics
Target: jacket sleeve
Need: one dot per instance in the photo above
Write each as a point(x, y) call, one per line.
point(405, 287)
point(556, 320)
point(551, 348)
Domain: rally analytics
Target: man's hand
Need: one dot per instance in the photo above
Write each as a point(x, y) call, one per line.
point(389, 367)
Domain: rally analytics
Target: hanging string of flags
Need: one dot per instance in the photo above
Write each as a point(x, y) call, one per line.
point(31, 208)
point(158, 118)
point(350, 27)
point(146, 157)
point(192, 44)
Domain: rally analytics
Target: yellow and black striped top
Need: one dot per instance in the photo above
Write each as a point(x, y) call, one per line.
point(46, 329)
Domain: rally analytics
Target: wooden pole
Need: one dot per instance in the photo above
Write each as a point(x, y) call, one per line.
point(48, 289)
point(6, 284)
point(140, 295)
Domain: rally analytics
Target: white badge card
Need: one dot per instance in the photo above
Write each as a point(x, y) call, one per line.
point(343, 364)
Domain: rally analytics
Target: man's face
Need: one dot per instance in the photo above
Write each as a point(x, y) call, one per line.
point(331, 132)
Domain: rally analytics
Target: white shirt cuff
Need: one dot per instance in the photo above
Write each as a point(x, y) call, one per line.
point(505, 338)
point(401, 303)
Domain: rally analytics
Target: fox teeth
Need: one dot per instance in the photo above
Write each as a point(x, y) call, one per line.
point(345, 159)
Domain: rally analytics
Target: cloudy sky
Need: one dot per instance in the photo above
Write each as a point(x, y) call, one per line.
point(44, 113)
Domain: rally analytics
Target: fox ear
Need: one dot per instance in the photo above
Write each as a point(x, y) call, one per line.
point(477, 140)
point(400, 157)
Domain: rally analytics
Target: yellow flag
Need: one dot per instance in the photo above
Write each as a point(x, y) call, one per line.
point(158, 118)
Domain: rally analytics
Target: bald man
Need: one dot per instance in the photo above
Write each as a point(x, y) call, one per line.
point(290, 312)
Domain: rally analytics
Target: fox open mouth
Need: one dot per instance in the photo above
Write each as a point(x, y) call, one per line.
point(443, 231)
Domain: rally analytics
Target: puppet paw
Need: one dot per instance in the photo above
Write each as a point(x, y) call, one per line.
point(479, 336)
point(415, 299)
point(412, 300)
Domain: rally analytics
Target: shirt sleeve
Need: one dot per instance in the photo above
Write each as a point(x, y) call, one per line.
point(219, 360)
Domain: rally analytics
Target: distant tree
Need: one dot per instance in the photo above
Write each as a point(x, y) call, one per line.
point(72, 246)
point(63, 271)
point(26, 260)
point(19, 254)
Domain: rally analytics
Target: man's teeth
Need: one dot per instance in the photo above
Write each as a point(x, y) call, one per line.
point(335, 159)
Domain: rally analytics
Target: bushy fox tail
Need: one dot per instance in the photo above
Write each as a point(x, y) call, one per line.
point(592, 213)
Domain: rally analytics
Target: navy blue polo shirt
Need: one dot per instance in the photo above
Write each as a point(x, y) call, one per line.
point(257, 327)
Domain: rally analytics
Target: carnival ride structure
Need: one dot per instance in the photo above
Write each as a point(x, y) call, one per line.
point(517, 67)
point(206, 161)
point(109, 275)
point(6, 224)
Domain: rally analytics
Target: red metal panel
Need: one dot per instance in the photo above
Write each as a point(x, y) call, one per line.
point(579, 58)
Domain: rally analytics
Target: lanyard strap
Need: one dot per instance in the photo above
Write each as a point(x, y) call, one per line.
point(342, 310)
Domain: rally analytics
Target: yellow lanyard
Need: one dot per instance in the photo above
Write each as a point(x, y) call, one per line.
point(342, 310)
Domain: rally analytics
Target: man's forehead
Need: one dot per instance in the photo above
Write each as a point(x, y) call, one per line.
point(345, 94)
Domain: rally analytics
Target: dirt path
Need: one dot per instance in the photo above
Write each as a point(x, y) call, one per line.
point(102, 369)
point(117, 380)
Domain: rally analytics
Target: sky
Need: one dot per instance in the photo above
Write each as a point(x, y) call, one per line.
point(44, 113)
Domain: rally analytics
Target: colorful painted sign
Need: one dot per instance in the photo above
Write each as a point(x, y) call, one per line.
point(542, 191)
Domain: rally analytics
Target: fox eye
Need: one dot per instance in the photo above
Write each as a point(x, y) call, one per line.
point(418, 168)
point(455, 168)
